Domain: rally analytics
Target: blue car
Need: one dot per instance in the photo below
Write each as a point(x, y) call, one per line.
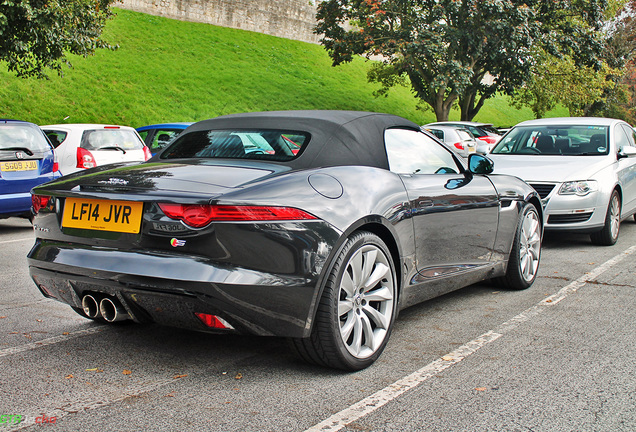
point(157, 136)
point(26, 160)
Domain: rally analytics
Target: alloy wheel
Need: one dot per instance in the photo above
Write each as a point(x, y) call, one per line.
point(530, 246)
point(365, 305)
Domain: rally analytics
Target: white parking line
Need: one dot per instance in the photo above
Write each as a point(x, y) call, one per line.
point(380, 398)
point(17, 240)
point(49, 341)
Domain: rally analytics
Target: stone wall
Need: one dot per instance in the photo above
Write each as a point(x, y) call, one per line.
point(292, 19)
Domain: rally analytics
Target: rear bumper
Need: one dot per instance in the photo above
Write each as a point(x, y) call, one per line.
point(15, 204)
point(169, 288)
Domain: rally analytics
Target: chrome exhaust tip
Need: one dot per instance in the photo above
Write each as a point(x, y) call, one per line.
point(112, 311)
point(90, 306)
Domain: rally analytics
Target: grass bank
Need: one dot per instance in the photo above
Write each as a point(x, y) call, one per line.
point(169, 70)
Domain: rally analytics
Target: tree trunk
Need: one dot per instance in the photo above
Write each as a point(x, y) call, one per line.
point(443, 104)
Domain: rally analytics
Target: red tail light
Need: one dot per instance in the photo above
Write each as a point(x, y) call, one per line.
point(85, 159)
point(147, 153)
point(199, 215)
point(39, 202)
point(459, 145)
point(56, 166)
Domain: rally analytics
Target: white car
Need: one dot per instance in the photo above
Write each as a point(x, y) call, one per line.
point(83, 146)
point(457, 138)
point(584, 169)
point(481, 131)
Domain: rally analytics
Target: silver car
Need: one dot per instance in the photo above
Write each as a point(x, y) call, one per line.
point(584, 169)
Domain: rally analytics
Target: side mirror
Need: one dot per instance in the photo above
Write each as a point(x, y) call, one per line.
point(480, 164)
point(627, 151)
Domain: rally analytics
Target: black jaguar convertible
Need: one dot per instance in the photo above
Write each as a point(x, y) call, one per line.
point(318, 226)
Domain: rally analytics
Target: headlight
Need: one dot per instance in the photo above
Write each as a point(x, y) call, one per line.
point(580, 188)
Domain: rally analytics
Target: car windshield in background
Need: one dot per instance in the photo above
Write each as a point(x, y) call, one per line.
point(110, 138)
point(22, 137)
point(267, 144)
point(575, 140)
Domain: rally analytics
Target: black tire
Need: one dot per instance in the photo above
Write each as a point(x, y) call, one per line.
point(354, 317)
point(609, 234)
point(525, 255)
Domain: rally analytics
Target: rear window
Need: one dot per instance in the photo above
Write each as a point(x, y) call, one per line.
point(266, 144)
point(105, 139)
point(15, 136)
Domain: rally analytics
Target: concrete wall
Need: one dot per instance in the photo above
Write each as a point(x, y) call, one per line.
point(292, 19)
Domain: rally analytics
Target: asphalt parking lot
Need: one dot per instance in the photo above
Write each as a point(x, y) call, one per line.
point(559, 356)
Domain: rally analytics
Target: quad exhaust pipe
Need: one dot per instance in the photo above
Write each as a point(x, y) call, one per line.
point(107, 308)
point(112, 311)
point(90, 306)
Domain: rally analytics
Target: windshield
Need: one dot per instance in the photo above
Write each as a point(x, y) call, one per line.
point(277, 145)
point(14, 136)
point(572, 140)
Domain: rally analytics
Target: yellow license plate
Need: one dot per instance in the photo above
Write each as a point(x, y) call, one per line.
point(102, 215)
point(28, 165)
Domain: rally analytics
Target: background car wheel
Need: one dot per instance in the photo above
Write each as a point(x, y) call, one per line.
point(609, 234)
point(523, 263)
point(357, 308)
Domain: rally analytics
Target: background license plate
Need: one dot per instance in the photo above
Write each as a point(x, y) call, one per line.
point(102, 215)
point(28, 165)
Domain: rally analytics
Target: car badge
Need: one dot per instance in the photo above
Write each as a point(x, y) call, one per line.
point(19, 155)
point(114, 181)
point(176, 242)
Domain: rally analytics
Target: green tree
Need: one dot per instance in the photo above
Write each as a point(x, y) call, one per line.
point(36, 35)
point(559, 81)
point(446, 49)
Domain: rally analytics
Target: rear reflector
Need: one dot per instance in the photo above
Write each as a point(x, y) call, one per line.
point(213, 321)
point(200, 215)
point(39, 202)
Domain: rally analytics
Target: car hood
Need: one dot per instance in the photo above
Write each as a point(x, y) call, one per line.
point(200, 178)
point(548, 168)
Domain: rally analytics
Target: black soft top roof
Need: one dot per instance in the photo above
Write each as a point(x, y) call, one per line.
point(337, 137)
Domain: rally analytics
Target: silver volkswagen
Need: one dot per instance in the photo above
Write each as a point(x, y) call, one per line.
point(584, 169)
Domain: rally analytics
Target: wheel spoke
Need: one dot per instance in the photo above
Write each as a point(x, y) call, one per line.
point(525, 265)
point(347, 327)
point(378, 274)
point(347, 284)
point(369, 263)
point(381, 294)
point(376, 316)
point(344, 306)
point(356, 269)
point(367, 331)
point(356, 343)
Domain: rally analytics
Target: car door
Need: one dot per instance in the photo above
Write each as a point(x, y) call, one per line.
point(454, 213)
point(627, 170)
